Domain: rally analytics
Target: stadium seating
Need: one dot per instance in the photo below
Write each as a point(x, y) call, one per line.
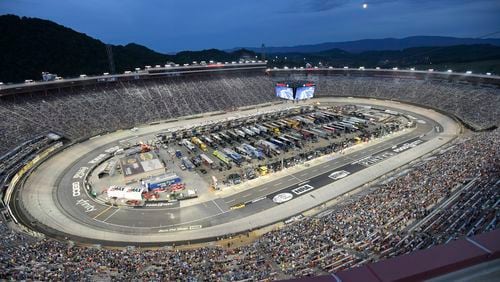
point(82, 112)
point(452, 195)
point(477, 106)
point(408, 213)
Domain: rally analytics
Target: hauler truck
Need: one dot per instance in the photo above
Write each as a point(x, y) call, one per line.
point(221, 156)
point(200, 143)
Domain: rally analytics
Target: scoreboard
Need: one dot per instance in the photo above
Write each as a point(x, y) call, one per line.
point(284, 91)
point(295, 91)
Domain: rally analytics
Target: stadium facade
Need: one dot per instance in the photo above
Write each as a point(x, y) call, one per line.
point(81, 108)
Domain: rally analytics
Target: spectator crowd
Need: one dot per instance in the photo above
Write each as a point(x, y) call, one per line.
point(473, 104)
point(79, 112)
point(450, 195)
point(85, 111)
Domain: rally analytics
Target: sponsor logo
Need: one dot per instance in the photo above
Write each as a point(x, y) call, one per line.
point(407, 146)
point(368, 161)
point(86, 205)
point(160, 204)
point(338, 174)
point(76, 189)
point(192, 227)
point(302, 189)
point(257, 200)
point(80, 173)
point(112, 150)
point(98, 158)
point(294, 218)
point(283, 197)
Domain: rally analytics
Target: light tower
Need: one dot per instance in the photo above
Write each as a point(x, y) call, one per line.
point(111, 61)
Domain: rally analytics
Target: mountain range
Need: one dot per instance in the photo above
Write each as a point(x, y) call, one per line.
point(384, 44)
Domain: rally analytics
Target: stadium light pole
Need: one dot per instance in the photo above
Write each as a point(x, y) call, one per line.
point(111, 61)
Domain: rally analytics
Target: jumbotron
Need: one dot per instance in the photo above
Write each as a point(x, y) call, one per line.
point(236, 171)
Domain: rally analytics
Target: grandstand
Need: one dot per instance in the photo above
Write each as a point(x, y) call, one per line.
point(83, 111)
point(451, 195)
point(474, 100)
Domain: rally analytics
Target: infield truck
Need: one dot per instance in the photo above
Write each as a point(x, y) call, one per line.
point(329, 115)
point(272, 128)
point(233, 155)
point(161, 181)
point(281, 124)
point(255, 130)
point(252, 151)
point(304, 120)
point(188, 145)
point(201, 145)
point(306, 134)
point(278, 143)
point(320, 133)
point(357, 120)
point(285, 140)
point(225, 136)
point(268, 147)
point(348, 125)
point(232, 136)
point(337, 126)
point(141, 148)
point(206, 160)
point(242, 150)
point(261, 128)
point(240, 133)
point(248, 131)
point(295, 139)
point(187, 163)
point(292, 123)
point(217, 138)
point(208, 140)
point(222, 157)
point(328, 128)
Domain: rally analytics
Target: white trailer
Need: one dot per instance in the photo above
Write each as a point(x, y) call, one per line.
point(261, 128)
point(206, 159)
point(190, 146)
point(248, 131)
point(240, 133)
point(255, 129)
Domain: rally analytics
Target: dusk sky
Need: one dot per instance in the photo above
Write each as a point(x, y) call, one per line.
point(174, 25)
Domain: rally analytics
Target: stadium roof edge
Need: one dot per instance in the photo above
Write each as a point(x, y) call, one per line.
point(396, 73)
point(8, 89)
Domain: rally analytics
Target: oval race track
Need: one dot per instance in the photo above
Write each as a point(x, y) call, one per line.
point(52, 198)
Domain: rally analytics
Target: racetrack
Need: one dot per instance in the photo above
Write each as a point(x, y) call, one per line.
point(48, 194)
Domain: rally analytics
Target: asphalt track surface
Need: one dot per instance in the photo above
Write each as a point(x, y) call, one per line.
point(82, 210)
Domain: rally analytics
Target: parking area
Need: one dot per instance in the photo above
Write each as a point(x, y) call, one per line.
point(230, 152)
point(190, 162)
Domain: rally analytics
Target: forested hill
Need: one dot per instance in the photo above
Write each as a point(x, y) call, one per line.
point(478, 58)
point(29, 46)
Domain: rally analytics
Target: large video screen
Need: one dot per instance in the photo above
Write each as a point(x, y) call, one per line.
point(284, 92)
point(305, 92)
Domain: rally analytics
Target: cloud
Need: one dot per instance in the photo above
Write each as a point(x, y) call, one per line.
point(313, 6)
point(324, 5)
